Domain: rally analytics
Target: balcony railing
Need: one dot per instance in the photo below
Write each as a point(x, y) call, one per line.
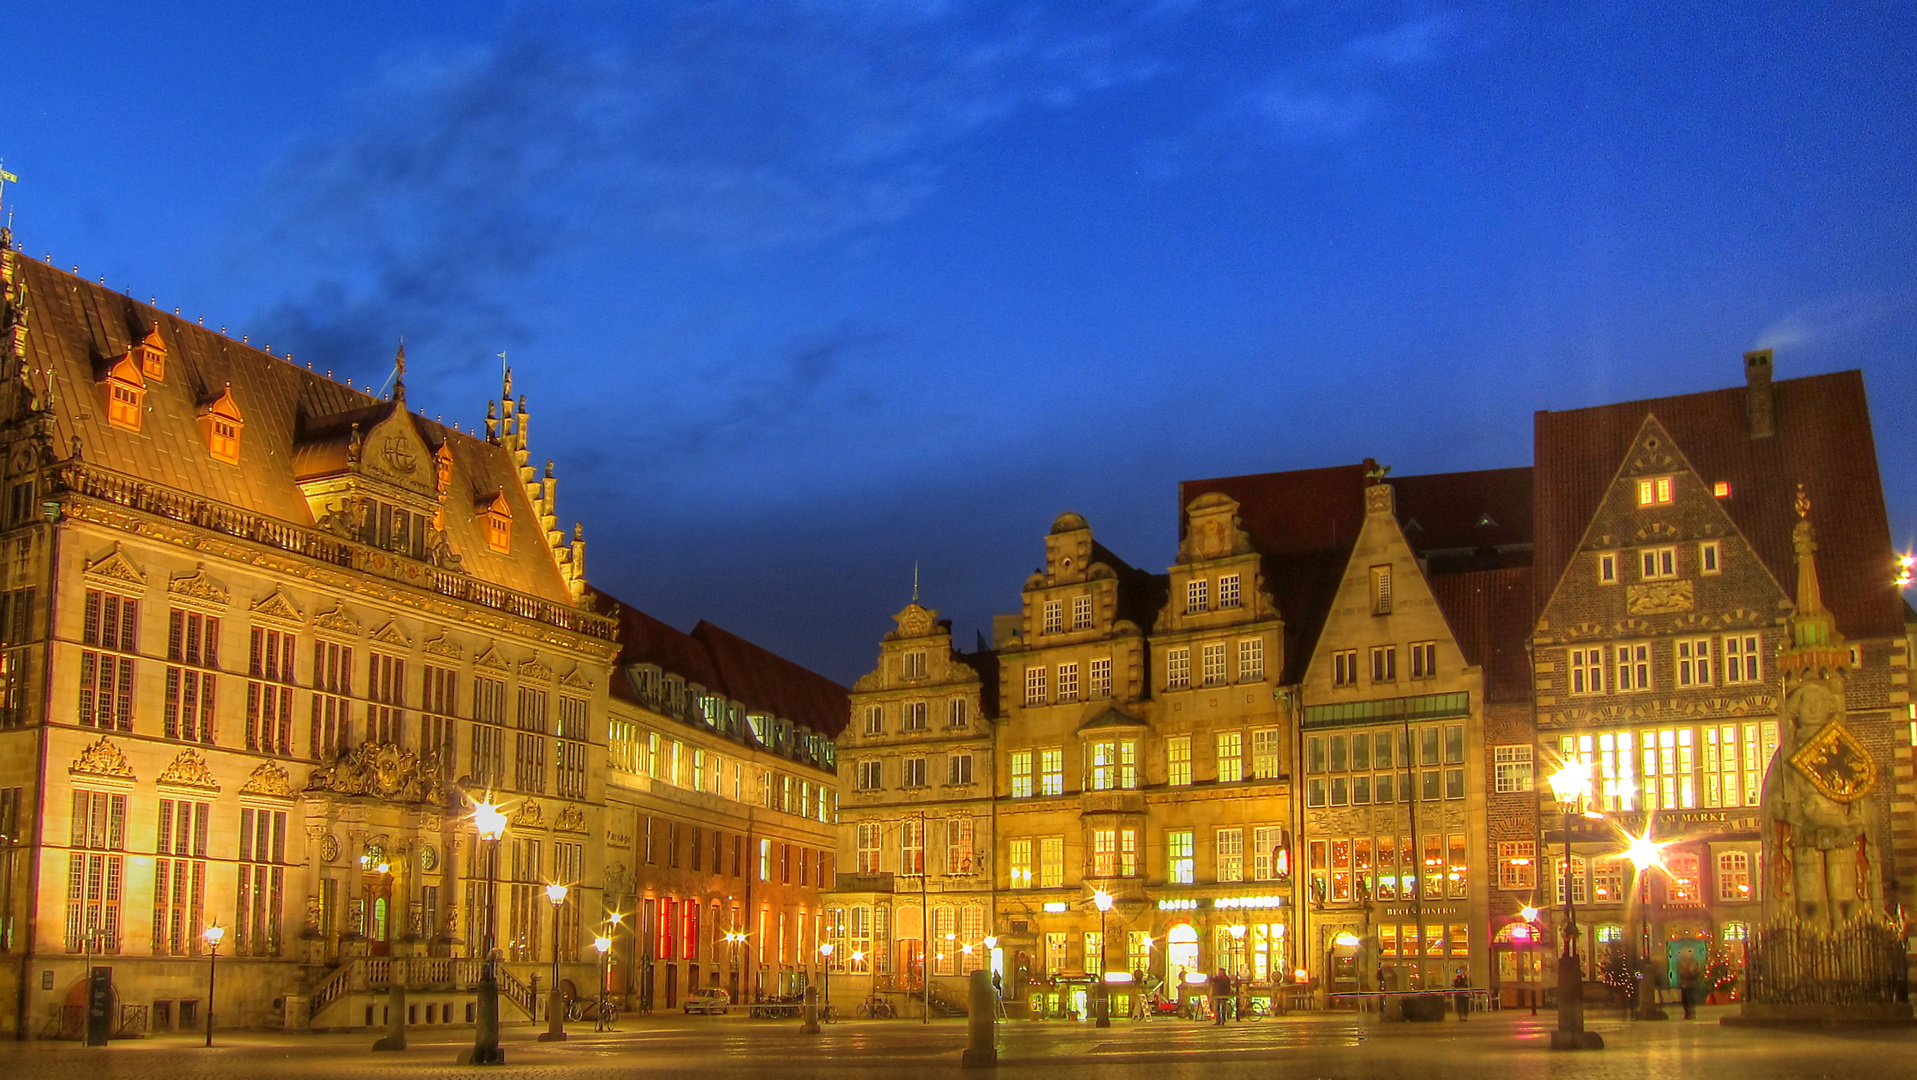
point(132, 493)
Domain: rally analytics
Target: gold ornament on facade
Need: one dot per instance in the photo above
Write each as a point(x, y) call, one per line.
point(571, 819)
point(269, 779)
point(339, 621)
point(383, 771)
point(441, 646)
point(1660, 597)
point(188, 770)
point(115, 566)
point(276, 607)
point(528, 816)
point(535, 671)
point(101, 758)
point(197, 586)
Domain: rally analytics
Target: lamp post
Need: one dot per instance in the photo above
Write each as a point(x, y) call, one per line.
point(1569, 784)
point(1529, 915)
point(214, 935)
point(1103, 901)
point(825, 951)
point(604, 945)
point(490, 822)
point(1646, 855)
point(555, 1000)
point(1237, 931)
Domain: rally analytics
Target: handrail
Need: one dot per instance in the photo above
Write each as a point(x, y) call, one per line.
point(145, 496)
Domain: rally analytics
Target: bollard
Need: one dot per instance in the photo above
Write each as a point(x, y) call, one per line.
point(983, 1051)
point(395, 1018)
point(809, 1025)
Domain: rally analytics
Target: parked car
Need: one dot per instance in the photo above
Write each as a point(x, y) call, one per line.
point(708, 1000)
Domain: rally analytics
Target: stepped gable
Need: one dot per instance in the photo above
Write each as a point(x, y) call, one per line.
point(1822, 439)
point(1489, 612)
point(1304, 523)
point(80, 328)
point(767, 682)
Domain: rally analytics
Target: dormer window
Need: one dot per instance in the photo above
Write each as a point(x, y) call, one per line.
point(499, 524)
point(150, 354)
point(220, 423)
point(126, 393)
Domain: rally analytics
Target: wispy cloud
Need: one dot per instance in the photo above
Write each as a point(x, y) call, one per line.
point(1826, 321)
point(1336, 92)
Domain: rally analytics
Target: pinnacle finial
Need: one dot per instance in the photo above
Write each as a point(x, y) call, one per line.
point(915, 581)
point(399, 372)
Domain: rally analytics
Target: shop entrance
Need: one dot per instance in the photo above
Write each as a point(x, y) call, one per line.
point(377, 889)
point(1181, 953)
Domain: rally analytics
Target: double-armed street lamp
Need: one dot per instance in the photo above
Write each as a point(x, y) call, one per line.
point(1103, 901)
point(555, 1000)
point(214, 935)
point(490, 823)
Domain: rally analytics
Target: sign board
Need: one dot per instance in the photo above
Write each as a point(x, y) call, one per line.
point(99, 1006)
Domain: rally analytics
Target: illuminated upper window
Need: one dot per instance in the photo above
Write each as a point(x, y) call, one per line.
point(1654, 491)
point(220, 422)
point(125, 393)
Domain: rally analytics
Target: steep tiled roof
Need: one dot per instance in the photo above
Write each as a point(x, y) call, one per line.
point(1823, 440)
point(1141, 593)
point(645, 640)
point(1489, 612)
point(1304, 523)
point(76, 326)
point(767, 682)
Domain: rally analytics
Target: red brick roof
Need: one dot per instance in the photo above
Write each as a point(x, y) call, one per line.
point(1823, 440)
point(1489, 612)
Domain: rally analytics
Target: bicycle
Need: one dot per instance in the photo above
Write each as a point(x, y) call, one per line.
point(877, 1009)
point(1257, 1010)
point(828, 1015)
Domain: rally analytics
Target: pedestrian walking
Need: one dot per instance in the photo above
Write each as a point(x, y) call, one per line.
point(1220, 993)
point(1461, 999)
point(1688, 978)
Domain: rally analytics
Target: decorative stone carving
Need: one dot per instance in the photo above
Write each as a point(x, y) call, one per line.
point(571, 819)
point(1835, 763)
point(101, 758)
point(915, 621)
point(329, 848)
point(197, 586)
point(576, 678)
point(268, 779)
point(275, 607)
point(1660, 597)
point(534, 671)
point(528, 816)
point(339, 621)
point(441, 646)
point(115, 565)
point(492, 661)
point(383, 771)
point(189, 770)
point(390, 634)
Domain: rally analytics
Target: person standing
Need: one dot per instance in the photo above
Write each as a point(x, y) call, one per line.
point(1220, 993)
point(1688, 978)
point(1461, 998)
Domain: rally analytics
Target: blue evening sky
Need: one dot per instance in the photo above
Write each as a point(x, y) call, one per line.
point(800, 293)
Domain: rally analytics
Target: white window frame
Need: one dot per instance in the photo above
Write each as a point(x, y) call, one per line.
point(1424, 659)
point(1693, 663)
point(1054, 617)
point(1228, 854)
point(1178, 668)
point(1212, 663)
point(1197, 596)
point(1631, 667)
point(1710, 557)
point(1230, 756)
point(1607, 567)
point(1082, 611)
point(1657, 563)
point(1384, 664)
point(1100, 681)
point(1035, 684)
point(1743, 658)
point(1051, 771)
point(1230, 592)
point(1585, 669)
point(1251, 659)
point(1178, 761)
point(1067, 683)
point(1024, 786)
point(1511, 766)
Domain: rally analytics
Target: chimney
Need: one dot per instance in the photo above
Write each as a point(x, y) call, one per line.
point(1758, 402)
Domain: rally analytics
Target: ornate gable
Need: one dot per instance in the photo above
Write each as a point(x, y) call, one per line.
point(114, 566)
point(102, 758)
point(915, 621)
point(528, 816)
point(339, 621)
point(188, 770)
point(490, 660)
point(442, 646)
point(269, 779)
point(396, 453)
point(390, 634)
point(275, 607)
point(571, 819)
point(535, 671)
point(197, 588)
point(576, 678)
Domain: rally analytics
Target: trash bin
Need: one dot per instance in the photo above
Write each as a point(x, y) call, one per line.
point(1423, 1007)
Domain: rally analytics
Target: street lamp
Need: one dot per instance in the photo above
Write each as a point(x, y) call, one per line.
point(490, 822)
point(1569, 785)
point(1103, 901)
point(1645, 854)
point(214, 935)
point(555, 1001)
point(825, 951)
point(604, 945)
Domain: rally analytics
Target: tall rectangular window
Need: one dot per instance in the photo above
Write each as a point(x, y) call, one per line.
point(1213, 659)
point(437, 707)
point(1694, 662)
point(1633, 667)
point(1264, 753)
point(488, 749)
point(915, 714)
point(1384, 663)
point(1054, 617)
point(1251, 659)
point(1051, 764)
point(1740, 658)
point(955, 713)
point(1424, 659)
point(958, 845)
point(1229, 591)
point(871, 773)
point(1101, 678)
point(1178, 760)
point(1035, 685)
point(912, 847)
point(875, 719)
point(1658, 563)
point(1607, 568)
point(914, 664)
point(1021, 768)
point(1104, 853)
point(262, 886)
point(529, 746)
point(16, 629)
point(572, 747)
point(96, 872)
point(1180, 863)
point(106, 680)
point(1177, 668)
point(1231, 757)
point(1197, 596)
point(1709, 556)
point(1587, 671)
point(912, 772)
point(1381, 590)
point(332, 729)
point(1229, 854)
point(1082, 612)
point(179, 877)
point(386, 697)
point(269, 691)
point(958, 769)
point(869, 850)
point(1067, 683)
point(1344, 667)
point(1128, 852)
point(1020, 857)
point(1271, 859)
point(193, 658)
point(1518, 864)
point(1051, 862)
